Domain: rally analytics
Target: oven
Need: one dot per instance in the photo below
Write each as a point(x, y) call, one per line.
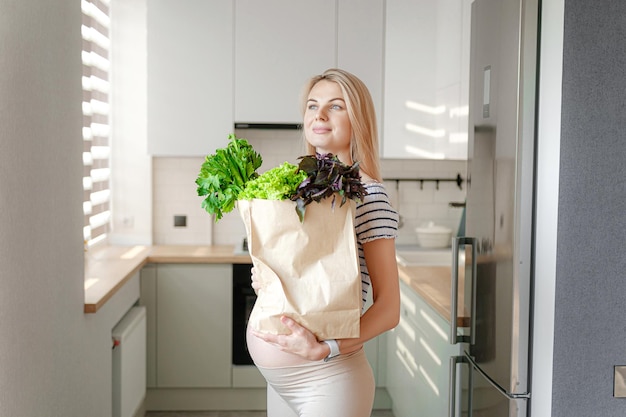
point(243, 301)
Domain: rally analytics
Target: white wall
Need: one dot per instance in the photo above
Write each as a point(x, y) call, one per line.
point(54, 359)
point(41, 254)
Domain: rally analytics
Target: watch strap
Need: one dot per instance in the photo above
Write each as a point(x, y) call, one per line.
point(334, 349)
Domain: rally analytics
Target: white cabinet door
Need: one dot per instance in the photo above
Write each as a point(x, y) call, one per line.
point(194, 325)
point(418, 359)
point(426, 79)
point(148, 298)
point(403, 381)
point(190, 76)
point(360, 46)
point(279, 44)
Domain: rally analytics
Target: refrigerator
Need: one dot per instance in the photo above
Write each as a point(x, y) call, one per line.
point(492, 262)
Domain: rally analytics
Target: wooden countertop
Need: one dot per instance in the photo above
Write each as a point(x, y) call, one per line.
point(433, 284)
point(107, 269)
point(214, 254)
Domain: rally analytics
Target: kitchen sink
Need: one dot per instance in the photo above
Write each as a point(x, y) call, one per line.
point(424, 257)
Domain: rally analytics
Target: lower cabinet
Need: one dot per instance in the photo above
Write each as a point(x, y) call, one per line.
point(189, 330)
point(418, 353)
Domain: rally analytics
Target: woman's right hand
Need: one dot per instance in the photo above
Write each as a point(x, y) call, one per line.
point(256, 285)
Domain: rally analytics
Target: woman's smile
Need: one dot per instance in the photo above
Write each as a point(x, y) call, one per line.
point(320, 130)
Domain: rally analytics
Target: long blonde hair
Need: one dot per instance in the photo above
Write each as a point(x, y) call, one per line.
point(362, 115)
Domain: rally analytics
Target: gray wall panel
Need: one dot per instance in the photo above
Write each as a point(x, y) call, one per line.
point(590, 319)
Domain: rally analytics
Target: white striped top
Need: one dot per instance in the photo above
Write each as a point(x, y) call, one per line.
point(375, 218)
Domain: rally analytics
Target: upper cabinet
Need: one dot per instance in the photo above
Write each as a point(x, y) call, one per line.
point(190, 76)
point(211, 64)
point(426, 79)
point(360, 45)
point(279, 44)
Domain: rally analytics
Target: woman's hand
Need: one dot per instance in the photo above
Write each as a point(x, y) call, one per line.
point(256, 285)
point(299, 342)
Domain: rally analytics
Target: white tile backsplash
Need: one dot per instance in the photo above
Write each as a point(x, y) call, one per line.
point(422, 202)
point(175, 192)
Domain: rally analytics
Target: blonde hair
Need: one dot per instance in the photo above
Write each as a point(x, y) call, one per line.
point(362, 115)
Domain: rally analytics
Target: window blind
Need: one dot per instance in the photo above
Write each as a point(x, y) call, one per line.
point(96, 129)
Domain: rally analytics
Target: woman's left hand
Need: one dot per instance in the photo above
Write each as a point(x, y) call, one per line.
point(300, 341)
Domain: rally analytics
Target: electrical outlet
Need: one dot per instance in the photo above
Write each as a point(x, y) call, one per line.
point(180, 221)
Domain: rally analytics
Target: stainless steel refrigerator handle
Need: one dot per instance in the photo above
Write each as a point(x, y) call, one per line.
point(474, 367)
point(454, 291)
point(454, 360)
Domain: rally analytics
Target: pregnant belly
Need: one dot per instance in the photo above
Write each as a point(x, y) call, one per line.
point(269, 356)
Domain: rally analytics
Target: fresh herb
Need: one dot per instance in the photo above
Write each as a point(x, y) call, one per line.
point(278, 183)
point(231, 174)
point(327, 175)
point(223, 175)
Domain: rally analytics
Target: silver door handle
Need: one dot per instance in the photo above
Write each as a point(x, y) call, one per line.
point(454, 291)
point(454, 360)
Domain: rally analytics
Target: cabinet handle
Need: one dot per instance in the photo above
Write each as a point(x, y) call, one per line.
point(454, 360)
point(454, 291)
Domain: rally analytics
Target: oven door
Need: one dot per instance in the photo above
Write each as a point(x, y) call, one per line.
point(243, 301)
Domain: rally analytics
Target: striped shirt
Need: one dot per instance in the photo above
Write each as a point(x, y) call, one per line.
point(375, 218)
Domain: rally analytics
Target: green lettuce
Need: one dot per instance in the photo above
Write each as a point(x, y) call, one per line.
point(278, 183)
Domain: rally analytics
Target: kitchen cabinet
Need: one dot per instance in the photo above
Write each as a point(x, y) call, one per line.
point(426, 79)
point(189, 335)
point(279, 44)
point(189, 76)
point(148, 298)
point(418, 354)
point(360, 43)
point(210, 64)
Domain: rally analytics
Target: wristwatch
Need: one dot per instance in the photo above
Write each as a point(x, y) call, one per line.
point(334, 349)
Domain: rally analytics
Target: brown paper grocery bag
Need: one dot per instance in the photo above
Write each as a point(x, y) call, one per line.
point(308, 271)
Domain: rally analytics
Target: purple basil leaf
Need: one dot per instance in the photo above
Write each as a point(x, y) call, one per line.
point(326, 175)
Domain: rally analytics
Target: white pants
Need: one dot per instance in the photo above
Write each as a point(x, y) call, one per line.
point(342, 387)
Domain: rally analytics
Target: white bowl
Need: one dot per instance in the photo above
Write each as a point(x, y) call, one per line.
point(432, 236)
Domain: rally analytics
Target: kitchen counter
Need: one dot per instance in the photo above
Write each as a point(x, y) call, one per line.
point(214, 254)
point(107, 269)
point(433, 284)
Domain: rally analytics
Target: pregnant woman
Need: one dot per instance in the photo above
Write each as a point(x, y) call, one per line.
point(332, 378)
